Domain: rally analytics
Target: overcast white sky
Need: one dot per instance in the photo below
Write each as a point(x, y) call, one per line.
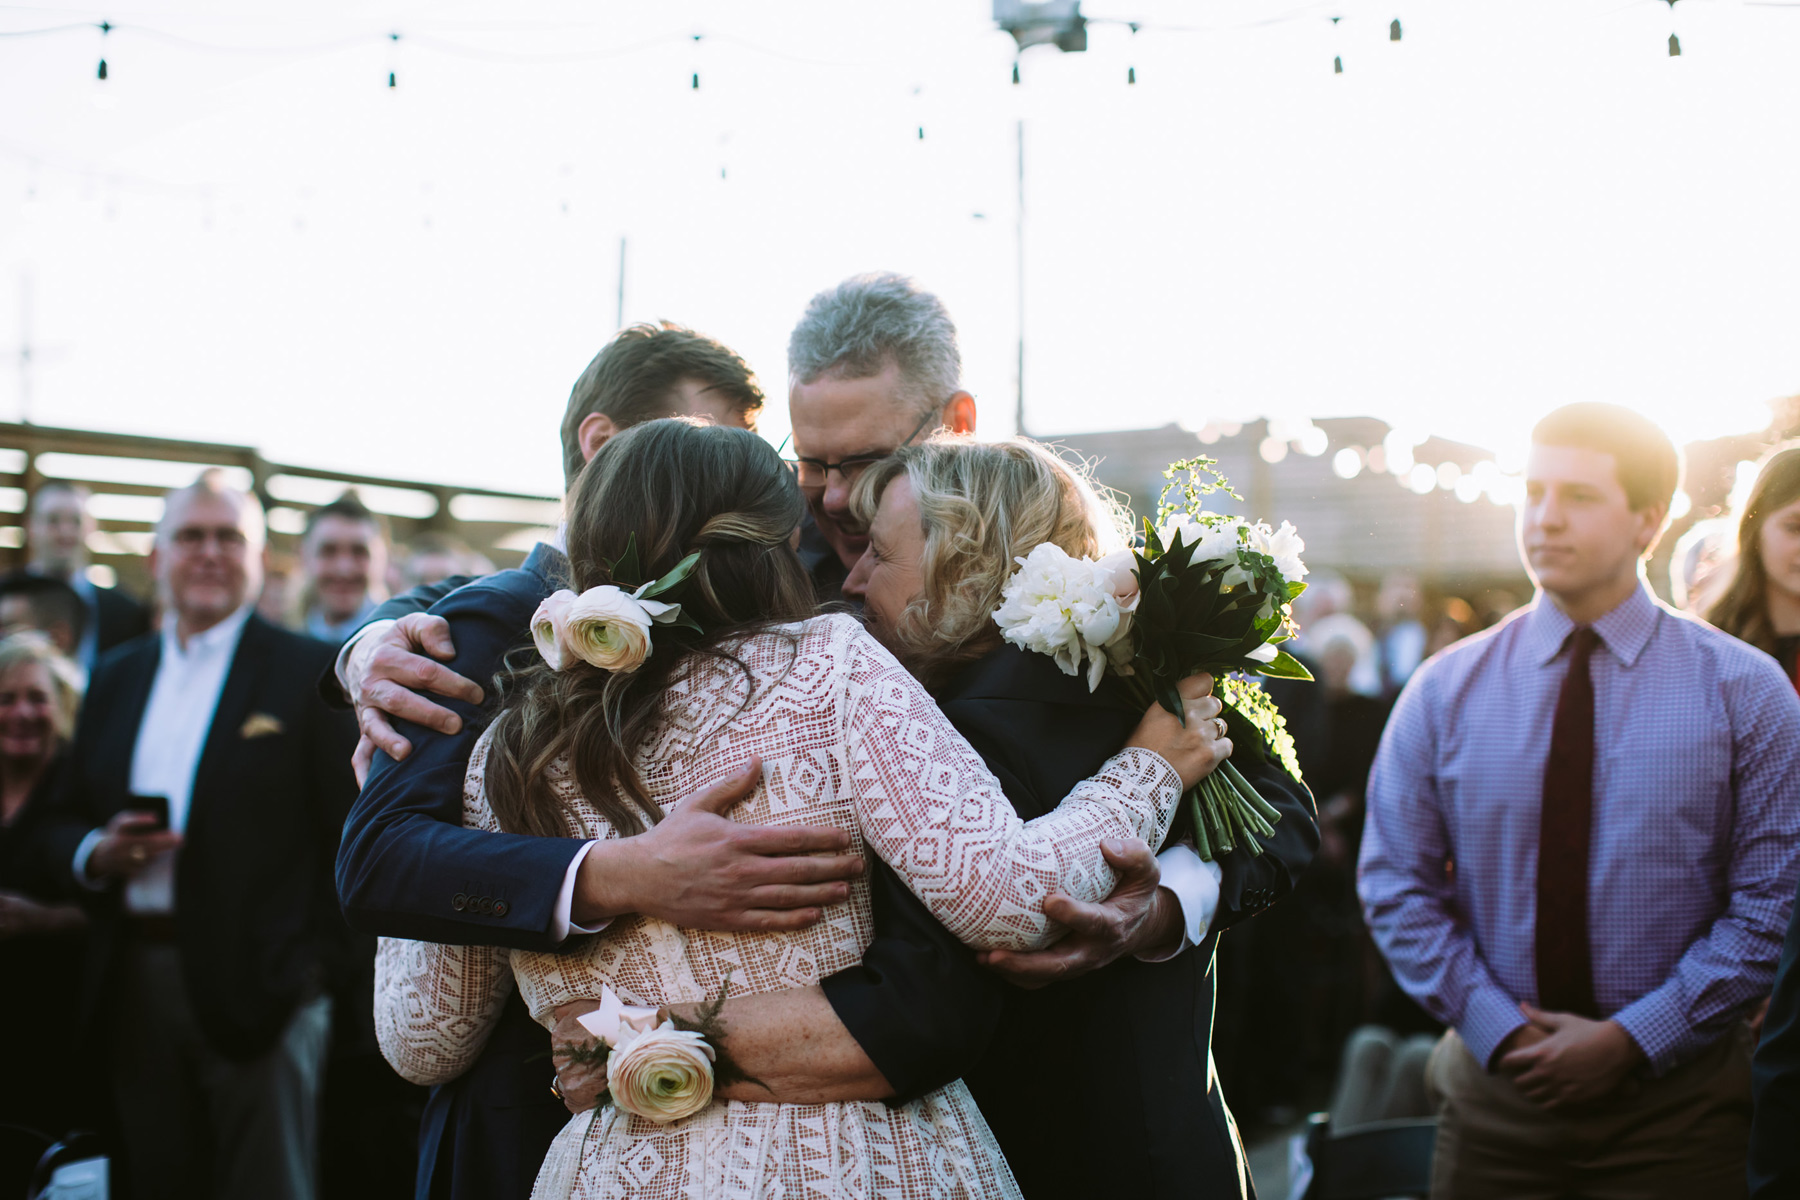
point(1522, 203)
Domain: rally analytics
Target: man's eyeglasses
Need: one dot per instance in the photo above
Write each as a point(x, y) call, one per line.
point(813, 473)
point(194, 537)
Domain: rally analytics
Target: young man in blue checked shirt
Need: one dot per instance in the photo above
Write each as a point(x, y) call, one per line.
point(1581, 853)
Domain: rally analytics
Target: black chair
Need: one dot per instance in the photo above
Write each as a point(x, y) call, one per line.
point(1377, 1161)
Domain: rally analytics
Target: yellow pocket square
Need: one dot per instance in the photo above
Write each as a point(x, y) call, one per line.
point(260, 725)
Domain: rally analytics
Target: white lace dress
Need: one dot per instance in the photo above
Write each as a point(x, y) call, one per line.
point(848, 738)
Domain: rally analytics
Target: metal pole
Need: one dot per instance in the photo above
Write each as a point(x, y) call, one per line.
point(620, 323)
point(25, 347)
point(1019, 233)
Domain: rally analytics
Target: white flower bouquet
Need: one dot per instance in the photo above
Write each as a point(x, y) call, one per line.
point(1206, 592)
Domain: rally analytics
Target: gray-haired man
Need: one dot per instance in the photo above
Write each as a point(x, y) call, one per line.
point(872, 366)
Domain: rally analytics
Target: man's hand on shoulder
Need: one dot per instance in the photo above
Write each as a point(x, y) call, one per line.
point(1561, 1059)
point(699, 869)
point(1140, 917)
point(385, 675)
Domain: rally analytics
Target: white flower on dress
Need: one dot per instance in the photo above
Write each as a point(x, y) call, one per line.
point(663, 1075)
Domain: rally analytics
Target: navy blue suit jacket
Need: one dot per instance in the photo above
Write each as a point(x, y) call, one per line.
point(918, 1004)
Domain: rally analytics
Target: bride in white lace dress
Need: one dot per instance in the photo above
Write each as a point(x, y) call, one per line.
point(847, 737)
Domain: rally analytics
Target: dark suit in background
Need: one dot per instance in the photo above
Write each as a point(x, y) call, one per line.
point(1775, 1083)
point(1103, 1085)
point(117, 618)
point(245, 963)
point(917, 1003)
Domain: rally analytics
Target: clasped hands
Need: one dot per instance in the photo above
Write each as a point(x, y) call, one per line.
point(1560, 1059)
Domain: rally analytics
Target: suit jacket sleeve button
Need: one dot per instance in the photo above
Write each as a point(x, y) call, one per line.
point(487, 905)
point(499, 908)
point(459, 902)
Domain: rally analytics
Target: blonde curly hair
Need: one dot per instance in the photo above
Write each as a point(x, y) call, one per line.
point(982, 505)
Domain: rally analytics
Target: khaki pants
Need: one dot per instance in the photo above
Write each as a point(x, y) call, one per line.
point(1682, 1137)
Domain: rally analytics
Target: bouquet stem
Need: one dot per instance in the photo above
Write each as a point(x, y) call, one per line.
point(1228, 813)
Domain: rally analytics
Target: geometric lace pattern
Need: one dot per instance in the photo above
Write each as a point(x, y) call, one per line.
point(847, 738)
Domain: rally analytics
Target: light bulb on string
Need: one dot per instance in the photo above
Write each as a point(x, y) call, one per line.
point(1015, 72)
point(1674, 41)
point(105, 28)
point(695, 85)
point(1337, 61)
point(1394, 30)
point(1131, 70)
point(393, 56)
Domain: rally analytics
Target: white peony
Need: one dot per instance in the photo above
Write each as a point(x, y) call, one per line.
point(663, 1075)
point(1217, 541)
point(1065, 607)
point(1283, 545)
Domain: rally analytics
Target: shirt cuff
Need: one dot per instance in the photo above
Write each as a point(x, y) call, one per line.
point(562, 924)
point(84, 852)
point(1195, 885)
point(1659, 1030)
point(373, 628)
point(1488, 1019)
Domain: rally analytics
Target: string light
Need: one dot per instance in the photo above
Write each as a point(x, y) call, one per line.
point(1394, 30)
point(1015, 72)
point(393, 53)
point(105, 28)
point(1337, 61)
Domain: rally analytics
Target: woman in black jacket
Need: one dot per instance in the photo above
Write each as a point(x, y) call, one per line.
point(1103, 1084)
point(42, 936)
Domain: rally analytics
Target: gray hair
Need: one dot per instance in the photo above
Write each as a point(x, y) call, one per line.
point(858, 327)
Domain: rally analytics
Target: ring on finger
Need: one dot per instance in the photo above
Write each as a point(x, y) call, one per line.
point(1219, 724)
point(556, 1087)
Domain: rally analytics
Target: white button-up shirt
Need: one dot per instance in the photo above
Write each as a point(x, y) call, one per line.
point(171, 738)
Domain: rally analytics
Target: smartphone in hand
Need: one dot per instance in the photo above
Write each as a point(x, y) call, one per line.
point(154, 807)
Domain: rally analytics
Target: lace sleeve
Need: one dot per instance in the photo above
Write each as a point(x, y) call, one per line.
point(435, 1005)
point(930, 807)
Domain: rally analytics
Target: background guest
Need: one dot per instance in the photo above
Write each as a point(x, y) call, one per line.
point(49, 606)
point(56, 532)
point(278, 602)
point(1400, 633)
point(215, 939)
point(343, 565)
point(41, 938)
point(1599, 1041)
point(434, 556)
point(1761, 604)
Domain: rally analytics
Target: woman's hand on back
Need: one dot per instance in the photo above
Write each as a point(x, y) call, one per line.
point(1194, 749)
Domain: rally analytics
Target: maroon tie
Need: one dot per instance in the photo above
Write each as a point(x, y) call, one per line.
point(1565, 969)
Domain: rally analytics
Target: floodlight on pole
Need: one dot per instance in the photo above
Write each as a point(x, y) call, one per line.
point(1056, 23)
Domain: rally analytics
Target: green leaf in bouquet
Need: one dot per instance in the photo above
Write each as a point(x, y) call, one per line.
point(676, 576)
point(1153, 547)
point(1286, 666)
point(1247, 702)
point(1294, 589)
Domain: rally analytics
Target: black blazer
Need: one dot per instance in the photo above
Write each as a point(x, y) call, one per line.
point(1102, 1086)
point(1775, 1083)
point(118, 618)
point(256, 917)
